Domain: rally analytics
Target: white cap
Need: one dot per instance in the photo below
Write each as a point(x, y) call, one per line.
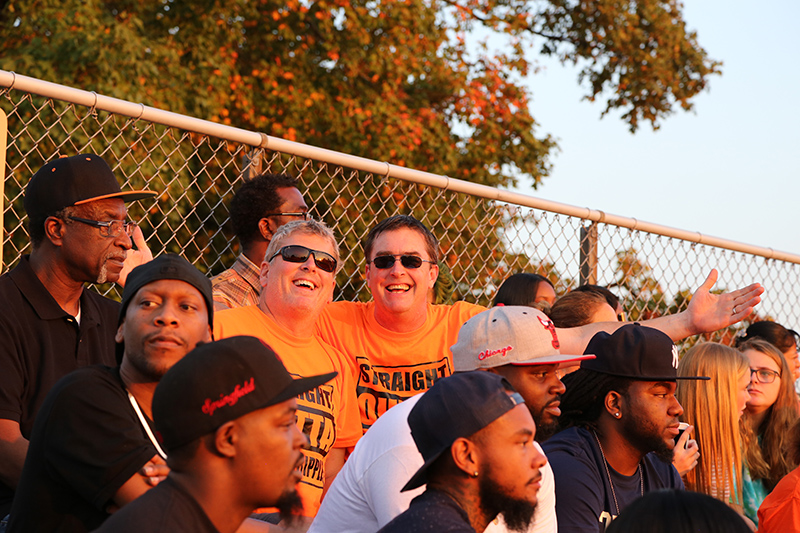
point(508, 335)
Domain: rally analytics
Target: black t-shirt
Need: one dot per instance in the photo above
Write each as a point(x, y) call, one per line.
point(167, 508)
point(584, 500)
point(40, 343)
point(86, 443)
point(432, 511)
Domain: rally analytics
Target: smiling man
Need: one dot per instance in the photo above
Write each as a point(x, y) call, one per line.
point(259, 207)
point(400, 344)
point(226, 415)
point(297, 276)
point(622, 418)
point(93, 433)
point(50, 325)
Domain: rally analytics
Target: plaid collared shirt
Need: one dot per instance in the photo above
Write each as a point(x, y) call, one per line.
point(238, 286)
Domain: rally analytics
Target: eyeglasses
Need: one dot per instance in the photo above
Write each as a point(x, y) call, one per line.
point(409, 261)
point(764, 375)
point(112, 228)
point(299, 254)
point(305, 215)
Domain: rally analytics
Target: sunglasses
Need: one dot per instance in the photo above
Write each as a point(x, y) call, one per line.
point(299, 254)
point(409, 261)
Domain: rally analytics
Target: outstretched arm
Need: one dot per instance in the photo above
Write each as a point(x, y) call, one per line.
point(707, 312)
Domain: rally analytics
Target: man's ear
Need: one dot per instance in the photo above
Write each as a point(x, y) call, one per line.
point(614, 404)
point(465, 455)
point(434, 274)
point(225, 439)
point(54, 229)
point(262, 274)
point(267, 228)
point(120, 336)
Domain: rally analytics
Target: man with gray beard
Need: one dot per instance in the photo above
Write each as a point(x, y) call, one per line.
point(50, 325)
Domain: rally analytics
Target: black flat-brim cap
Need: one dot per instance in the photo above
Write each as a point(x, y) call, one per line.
point(75, 180)
point(455, 407)
point(221, 381)
point(635, 352)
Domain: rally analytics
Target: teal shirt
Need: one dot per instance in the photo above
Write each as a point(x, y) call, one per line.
point(753, 493)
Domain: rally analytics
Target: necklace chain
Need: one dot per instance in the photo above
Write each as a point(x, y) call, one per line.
point(608, 473)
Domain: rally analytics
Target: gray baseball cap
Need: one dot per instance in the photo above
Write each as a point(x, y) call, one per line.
point(509, 335)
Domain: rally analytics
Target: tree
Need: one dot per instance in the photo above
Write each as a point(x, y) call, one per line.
point(397, 80)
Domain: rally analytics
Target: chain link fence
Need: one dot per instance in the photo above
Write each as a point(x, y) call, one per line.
point(485, 234)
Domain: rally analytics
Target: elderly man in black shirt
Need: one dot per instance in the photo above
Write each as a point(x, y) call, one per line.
point(50, 325)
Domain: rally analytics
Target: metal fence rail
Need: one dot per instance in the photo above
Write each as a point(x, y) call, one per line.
point(486, 233)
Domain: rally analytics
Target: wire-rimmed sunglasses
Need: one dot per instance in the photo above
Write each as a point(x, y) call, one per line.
point(409, 261)
point(305, 215)
point(295, 253)
point(764, 375)
point(112, 228)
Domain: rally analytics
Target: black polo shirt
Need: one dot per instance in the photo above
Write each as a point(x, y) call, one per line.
point(86, 443)
point(165, 509)
point(40, 343)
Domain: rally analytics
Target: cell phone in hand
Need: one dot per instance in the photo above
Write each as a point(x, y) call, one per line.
point(681, 428)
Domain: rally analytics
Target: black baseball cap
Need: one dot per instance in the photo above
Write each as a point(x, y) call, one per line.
point(221, 381)
point(635, 352)
point(166, 266)
point(75, 180)
point(456, 406)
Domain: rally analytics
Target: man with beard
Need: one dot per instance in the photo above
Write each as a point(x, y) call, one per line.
point(622, 418)
point(93, 433)
point(50, 325)
point(226, 415)
point(476, 438)
point(514, 342)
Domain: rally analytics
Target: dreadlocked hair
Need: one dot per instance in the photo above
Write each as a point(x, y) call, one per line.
point(583, 400)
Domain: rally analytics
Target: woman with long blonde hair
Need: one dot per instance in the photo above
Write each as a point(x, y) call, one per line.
point(771, 412)
point(715, 409)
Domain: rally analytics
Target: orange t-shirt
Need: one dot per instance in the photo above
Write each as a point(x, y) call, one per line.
point(328, 415)
point(393, 367)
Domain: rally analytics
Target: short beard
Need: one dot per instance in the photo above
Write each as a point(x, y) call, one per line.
point(645, 438)
point(289, 507)
point(545, 430)
point(517, 514)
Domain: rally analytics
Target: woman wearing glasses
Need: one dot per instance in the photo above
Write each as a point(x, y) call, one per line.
point(771, 412)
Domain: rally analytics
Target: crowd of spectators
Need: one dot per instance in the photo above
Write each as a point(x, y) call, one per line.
point(253, 402)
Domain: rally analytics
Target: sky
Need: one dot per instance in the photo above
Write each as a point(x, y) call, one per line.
point(730, 168)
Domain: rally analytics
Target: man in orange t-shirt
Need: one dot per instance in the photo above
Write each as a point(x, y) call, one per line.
point(400, 344)
point(298, 278)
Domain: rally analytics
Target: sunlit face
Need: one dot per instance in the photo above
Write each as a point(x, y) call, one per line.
point(545, 293)
point(742, 393)
point(164, 320)
point(604, 313)
point(270, 452)
point(508, 456)
point(762, 395)
point(650, 414)
point(398, 290)
point(292, 202)
point(291, 287)
point(90, 256)
point(541, 388)
point(793, 360)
